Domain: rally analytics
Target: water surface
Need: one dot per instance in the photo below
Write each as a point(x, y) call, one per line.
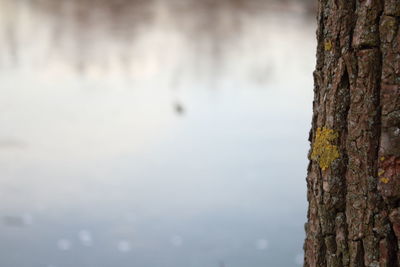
point(153, 133)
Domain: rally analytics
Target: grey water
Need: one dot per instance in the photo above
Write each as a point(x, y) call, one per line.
point(154, 133)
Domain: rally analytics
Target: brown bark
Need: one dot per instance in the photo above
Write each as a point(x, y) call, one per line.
point(354, 171)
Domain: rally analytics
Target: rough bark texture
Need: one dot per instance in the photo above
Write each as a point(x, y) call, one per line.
point(354, 172)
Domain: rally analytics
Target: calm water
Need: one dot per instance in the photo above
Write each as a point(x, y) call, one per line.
point(153, 133)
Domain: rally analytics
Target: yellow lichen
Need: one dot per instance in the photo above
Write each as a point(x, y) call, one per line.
point(328, 45)
point(382, 158)
point(380, 172)
point(323, 151)
point(385, 180)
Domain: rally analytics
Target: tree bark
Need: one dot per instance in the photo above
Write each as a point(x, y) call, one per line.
point(354, 171)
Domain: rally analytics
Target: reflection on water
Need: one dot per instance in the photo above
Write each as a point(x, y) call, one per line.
point(153, 133)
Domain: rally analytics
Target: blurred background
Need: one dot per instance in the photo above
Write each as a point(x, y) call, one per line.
point(154, 133)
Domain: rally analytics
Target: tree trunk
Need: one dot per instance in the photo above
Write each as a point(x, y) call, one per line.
point(354, 171)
